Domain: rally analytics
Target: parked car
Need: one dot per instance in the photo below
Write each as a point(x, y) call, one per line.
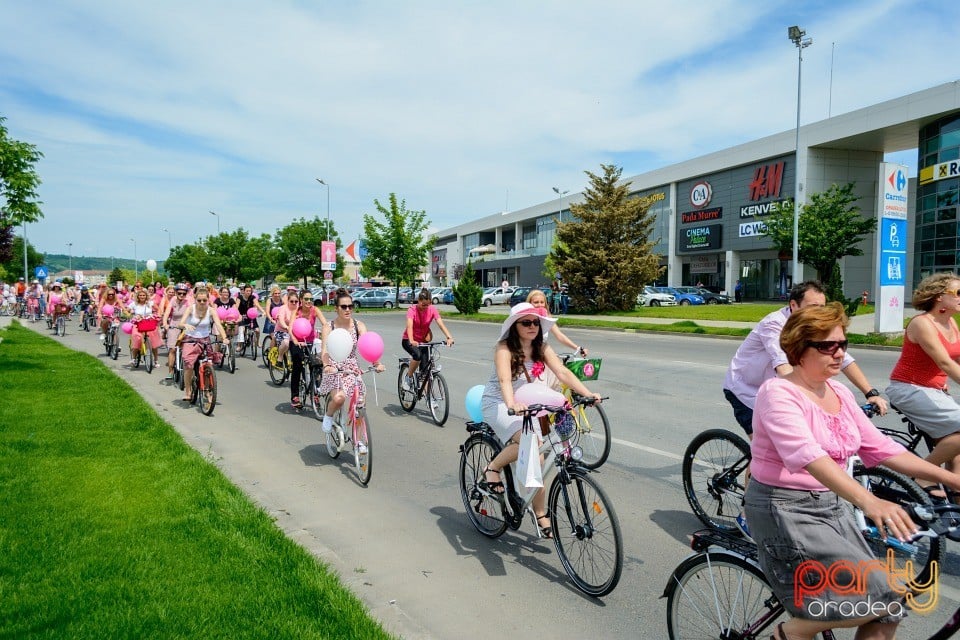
point(374, 298)
point(683, 299)
point(708, 296)
point(439, 294)
point(496, 295)
point(519, 295)
point(447, 295)
point(651, 298)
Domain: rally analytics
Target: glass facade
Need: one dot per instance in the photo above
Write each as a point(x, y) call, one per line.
point(937, 241)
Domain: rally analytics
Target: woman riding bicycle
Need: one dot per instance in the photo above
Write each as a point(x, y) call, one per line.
point(340, 385)
point(111, 299)
point(311, 314)
point(143, 308)
point(57, 304)
point(198, 322)
point(931, 347)
point(419, 318)
point(275, 301)
point(285, 318)
point(805, 428)
point(248, 300)
point(172, 315)
point(521, 356)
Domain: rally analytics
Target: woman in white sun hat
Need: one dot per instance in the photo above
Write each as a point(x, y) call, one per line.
point(521, 356)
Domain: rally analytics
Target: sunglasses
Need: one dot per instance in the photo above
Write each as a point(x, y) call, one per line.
point(181, 293)
point(346, 307)
point(529, 323)
point(828, 347)
point(306, 299)
point(953, 292)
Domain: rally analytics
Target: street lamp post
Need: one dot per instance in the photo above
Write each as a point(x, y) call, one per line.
point(214, 213)
point(70, 262)
point(796, 35)
point(169, 240)
point(560, 195)
point(26, 276)
point(135, 272)
point(328, 205)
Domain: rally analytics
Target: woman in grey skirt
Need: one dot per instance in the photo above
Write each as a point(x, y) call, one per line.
point(805, 428)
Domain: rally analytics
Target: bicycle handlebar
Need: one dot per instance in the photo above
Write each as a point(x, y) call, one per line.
point(551, 408)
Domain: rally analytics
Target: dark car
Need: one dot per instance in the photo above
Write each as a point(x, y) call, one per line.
point(708, 296)
point(519, 295)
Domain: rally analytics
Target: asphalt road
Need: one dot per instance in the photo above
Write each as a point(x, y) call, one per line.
point(405, 545)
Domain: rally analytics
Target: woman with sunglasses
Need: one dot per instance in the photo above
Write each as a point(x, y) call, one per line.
point(113, 300)
point(197, 323)
point(310, 313)
point(341, 386)
point(521, 356)
point(172, 315)
point(286, 316)
point(419, 318)
point(805, 428)
point(928, 359)
point(274, 301)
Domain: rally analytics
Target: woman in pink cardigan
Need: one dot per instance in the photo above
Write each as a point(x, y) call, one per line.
point(805, 428)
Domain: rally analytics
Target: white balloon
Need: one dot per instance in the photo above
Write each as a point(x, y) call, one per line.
point(539, 393)
point(339, 344)
point(151, 265)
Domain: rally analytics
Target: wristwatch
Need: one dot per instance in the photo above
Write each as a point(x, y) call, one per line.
point(870, 394)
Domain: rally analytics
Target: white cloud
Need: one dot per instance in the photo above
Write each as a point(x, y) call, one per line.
point(151, 115)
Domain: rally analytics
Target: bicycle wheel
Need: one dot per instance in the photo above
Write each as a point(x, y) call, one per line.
point(136, 356)
point(408, 398)
point(115, 347)
point(108, 343)
point(438, 396)
point(714, 471)
point(319, 406)
point(252, 339)
point(148, 360)
point(265, 351)
point(278, 372)
point(586, 532)
point(208, 392)
point(232, 357)
point(484, 510)
point(61, 326)
point(719, 595)
point(363, 460)
point(592, 434)
point(334, 439)
point(895, 487)
point(242, 346)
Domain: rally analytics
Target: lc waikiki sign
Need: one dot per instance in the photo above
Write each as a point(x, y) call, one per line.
point(891, 248)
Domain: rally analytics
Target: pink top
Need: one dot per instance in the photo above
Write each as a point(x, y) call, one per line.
point(790, 432)
point(421, 322)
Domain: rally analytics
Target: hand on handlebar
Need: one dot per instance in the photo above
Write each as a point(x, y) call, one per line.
point(880, 405)
point(449, 342)
point(891, 517)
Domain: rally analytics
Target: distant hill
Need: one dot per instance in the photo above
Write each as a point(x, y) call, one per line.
point(60, 262)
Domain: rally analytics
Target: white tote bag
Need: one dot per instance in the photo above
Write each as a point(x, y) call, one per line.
point(528, 463)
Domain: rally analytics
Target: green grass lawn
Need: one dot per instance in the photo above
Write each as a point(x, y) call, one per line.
point(112, 527)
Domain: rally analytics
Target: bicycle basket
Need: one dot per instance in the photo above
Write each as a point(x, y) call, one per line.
point(564, 424)
point(147, 324)
point(585, 368)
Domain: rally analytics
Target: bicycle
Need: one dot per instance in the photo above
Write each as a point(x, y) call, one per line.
point(249, 343)
point(111, 341)
point(593, 428)
point(145, 352)
point(359, 428)
point(721, 592)
point(59, 325)
point(204, 384)
point(310, 380)
point(713, 474)
point(178, 378)
point(432, 385)
point(279, 371)
point(88, 318)
point(585, 527)
point(230, 357)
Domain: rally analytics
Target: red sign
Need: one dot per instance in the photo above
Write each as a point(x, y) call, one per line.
point(701, 216)
point(767, 181)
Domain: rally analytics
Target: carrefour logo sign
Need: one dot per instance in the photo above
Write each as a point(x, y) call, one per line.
point(897, 180)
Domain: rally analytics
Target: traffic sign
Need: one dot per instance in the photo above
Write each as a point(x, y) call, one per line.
point(40, 273)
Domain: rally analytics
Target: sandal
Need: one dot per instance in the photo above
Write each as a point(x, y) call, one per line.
point(546, 532)
point(778, 633)
point(496, 488)
point(295, 402)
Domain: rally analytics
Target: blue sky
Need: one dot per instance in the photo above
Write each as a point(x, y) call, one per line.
point(152, 114)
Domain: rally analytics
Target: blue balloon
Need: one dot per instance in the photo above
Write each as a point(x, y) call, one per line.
point(473, 402)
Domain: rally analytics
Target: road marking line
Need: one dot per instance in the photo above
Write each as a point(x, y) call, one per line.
point(659, 452)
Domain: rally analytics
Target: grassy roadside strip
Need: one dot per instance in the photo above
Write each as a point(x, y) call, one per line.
point(112, 527)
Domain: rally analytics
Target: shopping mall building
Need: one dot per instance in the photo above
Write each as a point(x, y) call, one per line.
point(710, 210)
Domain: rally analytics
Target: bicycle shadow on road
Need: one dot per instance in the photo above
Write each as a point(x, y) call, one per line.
point(315, 455)
point(512, 547)
point(421, 413)
point(678, 524)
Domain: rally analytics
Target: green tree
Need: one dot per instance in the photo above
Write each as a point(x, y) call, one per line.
point(258, 258)
point(397, 248)
point(18, 190)
point(467, 294)
point(224, 255)
point(187, 263)
point(115, 276)
point(605, 254)
point(14, 266)
point(831, 227)
point(298, 248)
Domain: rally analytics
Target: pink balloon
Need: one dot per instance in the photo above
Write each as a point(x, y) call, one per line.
point(252, 313)
point(301, 328)
point(232, 315)
point(54, 298)
point(370, 346)
point(274, 312)
point(221, 312)
point(127, 327)
point(107, 310)
point(539, 393)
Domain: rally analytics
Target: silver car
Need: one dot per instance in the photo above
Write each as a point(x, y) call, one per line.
point(651, 298)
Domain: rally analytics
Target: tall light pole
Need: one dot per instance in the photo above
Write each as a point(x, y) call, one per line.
point(26, 276)
point(328, 205)
point(796, 35)
point(214, 213)
point(135, 272)
point(170, 240)
point(560, 195)
point(70, 249)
